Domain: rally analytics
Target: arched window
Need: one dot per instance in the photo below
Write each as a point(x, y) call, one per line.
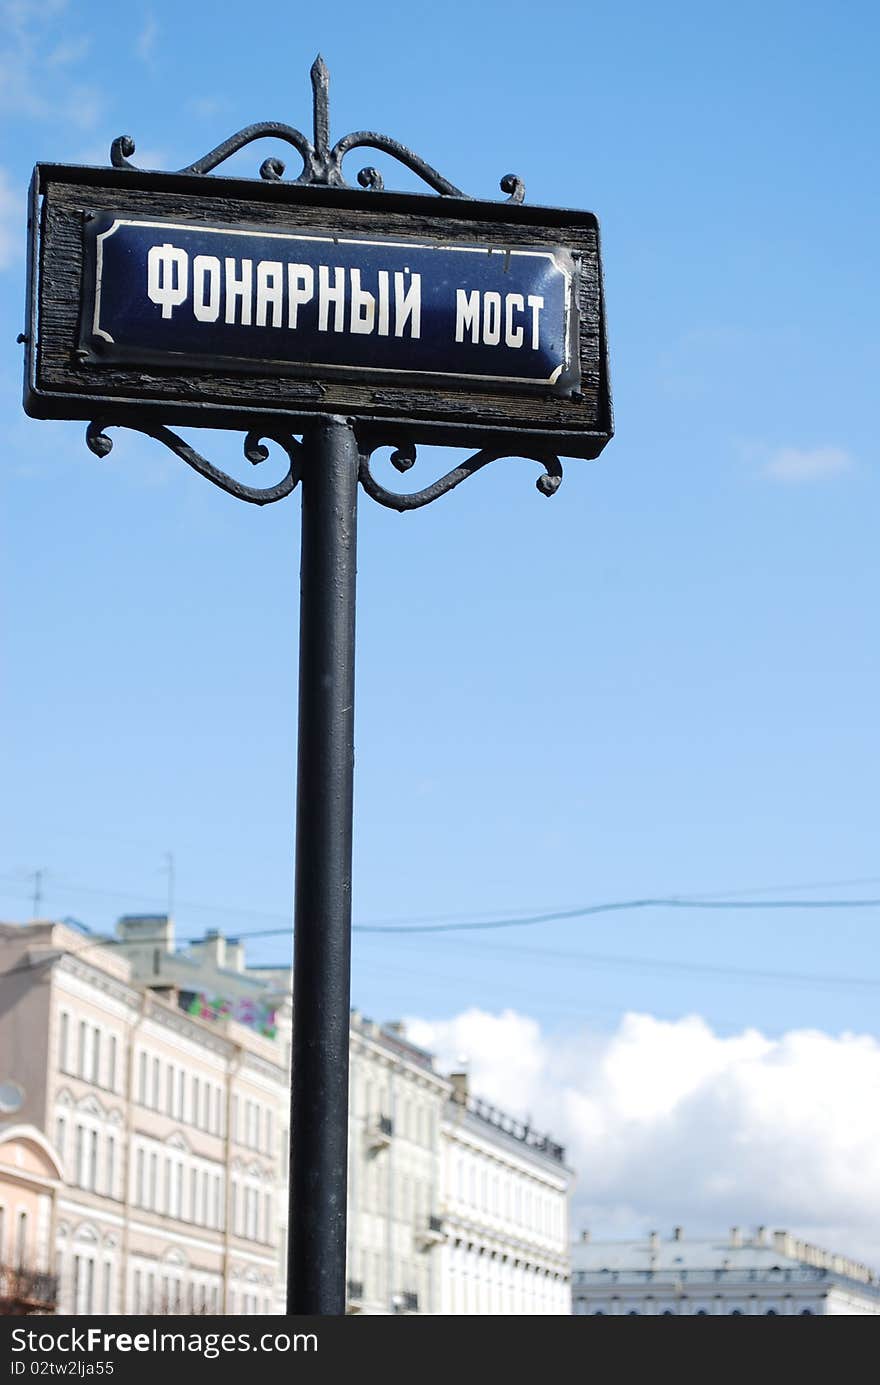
point(772, 1313)
point(806, 1312)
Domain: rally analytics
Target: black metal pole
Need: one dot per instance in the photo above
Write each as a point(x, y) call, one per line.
point(322, 905)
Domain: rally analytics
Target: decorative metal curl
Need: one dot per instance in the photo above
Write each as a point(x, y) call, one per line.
point(404, 457)
point(322, 165)
point(253, 447)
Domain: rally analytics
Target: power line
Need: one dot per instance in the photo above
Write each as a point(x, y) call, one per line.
point(555, 916)
point(671, 902)
point(707, 899)
point(589, 959)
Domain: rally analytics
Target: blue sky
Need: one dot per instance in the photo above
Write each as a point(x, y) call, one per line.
point(662, 681)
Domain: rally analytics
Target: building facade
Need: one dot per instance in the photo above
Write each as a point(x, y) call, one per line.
point(30, 1177)
point(505, 1213)
point(166, 1128)
point(741, 1274)
point(158, 1079)
point(395, 1203)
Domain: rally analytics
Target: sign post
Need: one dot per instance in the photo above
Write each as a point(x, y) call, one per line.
point(332, 322)
point(322, 894)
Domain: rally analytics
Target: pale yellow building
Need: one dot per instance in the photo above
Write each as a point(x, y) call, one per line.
point(30, 1176)
point(166, 1127)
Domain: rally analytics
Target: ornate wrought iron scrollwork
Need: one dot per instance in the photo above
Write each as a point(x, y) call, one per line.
point(404, 456)
point(322, 165)
point(254, 450)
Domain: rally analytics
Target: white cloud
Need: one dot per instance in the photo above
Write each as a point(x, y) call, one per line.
point(13, 218)
point(31, 42)
point(795, 464)
point(68, 51)
point(146, 39)
point(669, 1123)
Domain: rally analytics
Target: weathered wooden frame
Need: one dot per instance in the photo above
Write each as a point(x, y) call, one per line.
point(60, 383)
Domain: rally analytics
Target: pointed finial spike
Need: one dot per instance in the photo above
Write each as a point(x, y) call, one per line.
point(320, 89)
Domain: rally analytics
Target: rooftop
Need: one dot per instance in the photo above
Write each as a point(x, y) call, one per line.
point(753, 1254)
point(509, 1125)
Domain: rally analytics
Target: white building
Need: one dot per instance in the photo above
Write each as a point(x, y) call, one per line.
point(395, 1203)
point(452, 1206)
point(504, 1246)
point(757, 1275)
point(161, 1079)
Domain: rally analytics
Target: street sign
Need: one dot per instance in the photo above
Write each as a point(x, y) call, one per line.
point(222, 301)
point(169, 293)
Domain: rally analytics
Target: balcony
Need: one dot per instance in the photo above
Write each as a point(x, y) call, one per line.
point(406, 1302)
point(24, 1292)
point(354, 1296)
point(432, 1234)
point(379, 1133)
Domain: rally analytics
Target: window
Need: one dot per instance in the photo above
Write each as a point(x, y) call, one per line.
point(110, 1174)
point(156, 1081)
point(138, 1292)
point(250, 1215)
point(79, 1167)
point(111, 1063)
point(142, 1078)
point(169, 1091)
point(83, 1284)
point(206, 1106)
point(193, 1195)
point(269, 1132)
point(63, 1040)
point(180, 1094)
point(60, 1142)
point(195, 1101)
point(96, 1057)
point(108, 1273)
point(83, 1037)
point(21, 1240)
point(93, 1161)
point(154, 1181)
point(178, 1191)
point(139, 1190)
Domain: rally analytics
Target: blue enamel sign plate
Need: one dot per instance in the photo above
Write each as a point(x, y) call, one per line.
point(163, 292)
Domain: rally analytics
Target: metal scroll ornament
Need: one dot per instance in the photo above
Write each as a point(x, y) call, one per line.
point(322, 166)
